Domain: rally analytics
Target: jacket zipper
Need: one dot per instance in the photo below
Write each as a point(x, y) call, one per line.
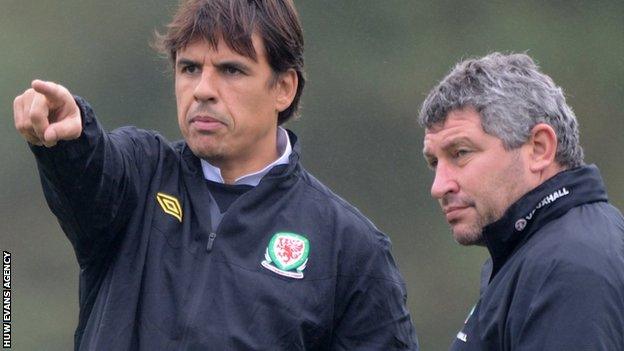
point(209, 245)
point(211, 239)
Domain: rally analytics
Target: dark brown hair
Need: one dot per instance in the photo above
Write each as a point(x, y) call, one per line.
point(275, 21)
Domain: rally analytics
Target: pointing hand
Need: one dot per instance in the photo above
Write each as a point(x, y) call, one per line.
point(47, 113)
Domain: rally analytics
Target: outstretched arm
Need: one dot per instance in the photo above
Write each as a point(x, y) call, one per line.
point(90, 178)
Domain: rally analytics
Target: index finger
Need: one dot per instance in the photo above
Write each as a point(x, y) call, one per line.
point(54, 93)
point(38, 114)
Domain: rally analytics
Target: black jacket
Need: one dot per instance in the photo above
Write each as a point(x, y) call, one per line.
point(555, 280)
point(154, 276)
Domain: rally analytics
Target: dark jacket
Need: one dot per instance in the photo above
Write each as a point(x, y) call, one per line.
point(154, 276)
point(555, 280)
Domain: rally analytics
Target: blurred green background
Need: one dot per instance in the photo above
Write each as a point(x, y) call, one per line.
point(369, 63)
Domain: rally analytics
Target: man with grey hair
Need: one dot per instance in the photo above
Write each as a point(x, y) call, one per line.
point(222, 240)
point(509, 175)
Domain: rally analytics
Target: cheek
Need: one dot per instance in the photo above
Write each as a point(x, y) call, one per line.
point(252, 107)
point(183, 103)
point(256, 99)
point(181, 116)
point(482, 192)
point(497, 193)
point(184, 89)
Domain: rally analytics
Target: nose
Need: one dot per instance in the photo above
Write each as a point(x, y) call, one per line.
point(444, 181)
point(205, 89)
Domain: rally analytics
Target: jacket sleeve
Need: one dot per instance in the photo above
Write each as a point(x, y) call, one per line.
point(572, 308)
point(372, 311)
point(91, 184)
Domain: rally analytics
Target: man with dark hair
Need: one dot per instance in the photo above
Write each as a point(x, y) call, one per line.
point(221, 241)
point(509, 175)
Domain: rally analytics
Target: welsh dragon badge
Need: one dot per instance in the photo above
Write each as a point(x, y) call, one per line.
point(287, 254)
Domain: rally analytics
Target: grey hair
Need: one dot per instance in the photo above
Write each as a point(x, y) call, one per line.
point(511, 96)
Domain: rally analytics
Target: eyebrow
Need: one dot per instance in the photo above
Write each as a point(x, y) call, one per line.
point(425, 153)
point(454, 142)
point(428, 156)
point(448, 144)
point(232, 63)
point(224, 64)
point(186, 62)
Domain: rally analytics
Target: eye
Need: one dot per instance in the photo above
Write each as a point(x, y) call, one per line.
point(432, 163)
point(461, 153)
point(189, 69)
point(231, 70)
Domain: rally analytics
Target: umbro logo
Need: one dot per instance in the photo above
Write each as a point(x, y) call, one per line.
point(170, 205)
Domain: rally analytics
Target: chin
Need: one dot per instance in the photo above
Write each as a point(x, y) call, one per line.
point(467, 236)
point(208, 155)
point(204, 146)
point(203, 151)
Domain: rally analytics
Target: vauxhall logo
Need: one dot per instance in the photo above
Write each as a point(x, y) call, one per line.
point(522, 222)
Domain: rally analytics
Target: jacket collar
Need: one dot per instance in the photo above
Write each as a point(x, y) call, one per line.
point(192, 164)
point(548, 201)
point(284, 149)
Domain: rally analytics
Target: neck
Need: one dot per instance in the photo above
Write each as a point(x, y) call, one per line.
point(550, 172)
point(233, 171)
point(262, 155)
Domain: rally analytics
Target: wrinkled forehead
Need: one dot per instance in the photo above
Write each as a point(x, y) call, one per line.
point(463, 123)
point(466, 117)
point(436, 135)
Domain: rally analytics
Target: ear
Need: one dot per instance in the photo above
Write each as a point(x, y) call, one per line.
point(286, 88)
point(542, 147)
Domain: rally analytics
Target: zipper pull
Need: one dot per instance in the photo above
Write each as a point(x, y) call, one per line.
point(211, 239)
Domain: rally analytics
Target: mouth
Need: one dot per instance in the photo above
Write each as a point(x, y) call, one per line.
point(453, 213)
point(206, 123)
